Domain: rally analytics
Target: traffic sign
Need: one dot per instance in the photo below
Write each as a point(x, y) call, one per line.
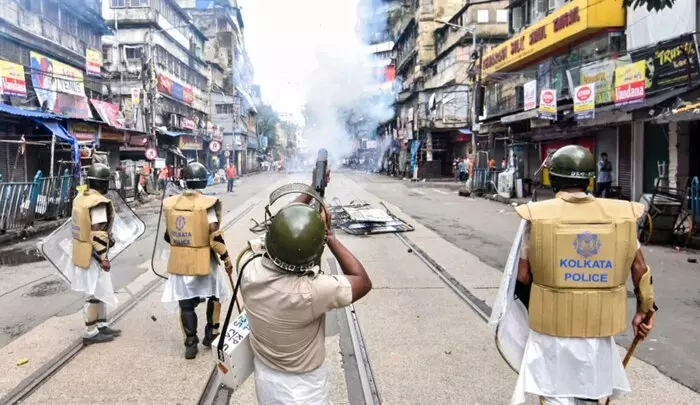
point(151, 153)
point(215, 146)
point(227, 153)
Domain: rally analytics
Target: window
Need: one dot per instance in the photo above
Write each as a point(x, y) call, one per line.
point(482, 16)
point(133, 52)
point(501, 16)
point(518, 22)
point(139, 3)
point(107, 53)
point(224, 108)
point(118, 3)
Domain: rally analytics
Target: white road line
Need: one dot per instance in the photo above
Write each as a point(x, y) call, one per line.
point(439, 191)
point(418, 191)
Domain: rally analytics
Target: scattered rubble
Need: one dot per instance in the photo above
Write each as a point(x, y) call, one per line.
point(360, 218)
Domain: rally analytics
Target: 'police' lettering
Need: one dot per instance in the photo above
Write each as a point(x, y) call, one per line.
point(585, 264)
point(586, 277)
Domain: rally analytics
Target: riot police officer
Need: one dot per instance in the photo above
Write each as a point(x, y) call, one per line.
point(287, 296)
point(92, 218)
point(193, 231)
point(575, 259)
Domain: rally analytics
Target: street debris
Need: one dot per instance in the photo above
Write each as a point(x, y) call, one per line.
point(360, 218)
point(22, 361)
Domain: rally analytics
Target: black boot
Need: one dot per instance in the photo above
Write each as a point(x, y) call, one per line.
point(109, 331)
point(188, 319)
point(99, 338)
point(212, 327)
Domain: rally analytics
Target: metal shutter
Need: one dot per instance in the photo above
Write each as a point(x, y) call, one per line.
point(624, 164)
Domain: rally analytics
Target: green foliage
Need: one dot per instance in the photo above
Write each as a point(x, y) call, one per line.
point(651, 5)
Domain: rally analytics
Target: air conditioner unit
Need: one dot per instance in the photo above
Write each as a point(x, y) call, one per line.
point(174, 120)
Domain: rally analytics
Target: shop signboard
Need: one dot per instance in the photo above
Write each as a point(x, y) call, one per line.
point(93, 62)
point(83, 131)
point(530, 97)
point(669, 63)
point(60, 87)
point(12, 81)
point(111, 135)
point(109, 113)
point(630, 82)
point(584, 102)
point(187, 123)
point(548, 105)
point(601, 75)
point(190, 142)
point(175, 89)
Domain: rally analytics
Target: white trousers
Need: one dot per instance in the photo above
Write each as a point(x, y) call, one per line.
point(565, 401)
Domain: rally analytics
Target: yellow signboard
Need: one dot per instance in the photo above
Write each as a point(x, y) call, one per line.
point(630, 82)
point(93, 62)
point(568, 23)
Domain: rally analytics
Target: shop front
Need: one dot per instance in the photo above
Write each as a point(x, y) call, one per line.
point(111, 141)
point(191, 146)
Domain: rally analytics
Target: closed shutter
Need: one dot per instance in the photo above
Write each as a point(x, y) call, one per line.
point(624, 164)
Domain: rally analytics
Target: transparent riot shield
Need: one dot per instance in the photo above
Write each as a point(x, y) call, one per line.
point(509, 317)
point(161, 248)
point(58, 246)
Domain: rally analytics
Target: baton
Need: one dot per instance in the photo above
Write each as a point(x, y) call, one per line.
point(633, 346)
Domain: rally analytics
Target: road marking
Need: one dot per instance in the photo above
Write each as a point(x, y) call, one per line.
point(418, 192)
point(439, 191)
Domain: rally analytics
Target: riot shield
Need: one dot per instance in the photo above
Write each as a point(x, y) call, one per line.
point(509, 317)
point(161, 248)
point(57, 248)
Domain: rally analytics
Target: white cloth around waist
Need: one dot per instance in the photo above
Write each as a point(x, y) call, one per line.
point(281, 388)
point(588, 368)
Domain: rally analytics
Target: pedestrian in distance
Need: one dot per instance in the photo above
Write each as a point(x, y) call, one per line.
point(578, 251)
point(230, 177)
point(92, 219)
point(287, 296)
point(193, 232)
point(604, 178)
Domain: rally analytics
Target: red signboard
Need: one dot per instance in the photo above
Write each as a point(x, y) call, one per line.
point(175, 89)
point(109, 113)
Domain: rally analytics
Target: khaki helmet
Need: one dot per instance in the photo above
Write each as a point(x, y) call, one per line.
point(295, 238)
point(98, 177)
point(572, 166)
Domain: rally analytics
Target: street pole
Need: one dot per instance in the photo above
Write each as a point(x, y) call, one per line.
point(475, 90)
point(53, 150)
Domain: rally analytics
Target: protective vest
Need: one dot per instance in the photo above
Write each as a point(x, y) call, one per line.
point(188, 229)
point(581, 250)
point(81, 225)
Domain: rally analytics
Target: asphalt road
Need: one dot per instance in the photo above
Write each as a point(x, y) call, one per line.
point(486, 228)
point(31, 291)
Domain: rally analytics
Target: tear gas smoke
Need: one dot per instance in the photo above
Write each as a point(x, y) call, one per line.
point(343, 100)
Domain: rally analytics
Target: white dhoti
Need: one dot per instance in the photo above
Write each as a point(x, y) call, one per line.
point(564, 369)
point(178, 287)
point(275, 387)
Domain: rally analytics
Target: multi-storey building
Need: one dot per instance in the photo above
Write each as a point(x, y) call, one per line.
point(49, 75)
point(156, 69)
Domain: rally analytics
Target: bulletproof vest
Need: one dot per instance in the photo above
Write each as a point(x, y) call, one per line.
point(580, 253)
point(188, 229)
point(81, 225)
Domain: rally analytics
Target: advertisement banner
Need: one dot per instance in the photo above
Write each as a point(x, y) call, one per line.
point(83, 131)
point(175, 89)
point(108, 113)
point(630, 81)
point(93, 62)
point(190, 142)
point(59, 86)
point(111, 135)
point(669, 63)
point(548, 105)
point(584, 102)
point(187, 123)
point(12, 81)
point(601, 75)
point(530, 97)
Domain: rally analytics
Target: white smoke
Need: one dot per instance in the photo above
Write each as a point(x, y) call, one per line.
point(342, 86)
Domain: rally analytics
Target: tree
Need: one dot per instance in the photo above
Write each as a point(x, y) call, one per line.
point(267, 122)
point(656, 5)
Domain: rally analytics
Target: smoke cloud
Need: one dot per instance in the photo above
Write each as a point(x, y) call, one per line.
point(343, 98)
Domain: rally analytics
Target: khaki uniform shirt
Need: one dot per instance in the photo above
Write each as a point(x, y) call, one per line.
point(287, 314)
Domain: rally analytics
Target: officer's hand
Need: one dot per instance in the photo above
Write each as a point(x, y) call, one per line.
point(328, 175)
point(326, 217)
point(641, 328)
point(106, 265)
point(228, 266)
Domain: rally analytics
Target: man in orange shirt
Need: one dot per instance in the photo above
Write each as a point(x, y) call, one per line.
point(230, 176)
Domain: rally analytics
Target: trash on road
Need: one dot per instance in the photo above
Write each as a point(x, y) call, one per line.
point(360, 218)
point(22, 361)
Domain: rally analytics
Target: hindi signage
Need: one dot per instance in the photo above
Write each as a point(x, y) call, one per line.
point(548, 105)
point(584, 101)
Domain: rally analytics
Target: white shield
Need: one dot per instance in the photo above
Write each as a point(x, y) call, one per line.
point(161, 248)
point(237, 363)
point(57, 248)
point(509, 319)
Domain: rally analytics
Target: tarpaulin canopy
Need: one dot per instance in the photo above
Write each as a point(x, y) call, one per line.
point(60, 132)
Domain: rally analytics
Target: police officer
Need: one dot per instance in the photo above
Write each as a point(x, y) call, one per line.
point(287, 296)
point(574, 263)
point(92, 218)
point(193, 232)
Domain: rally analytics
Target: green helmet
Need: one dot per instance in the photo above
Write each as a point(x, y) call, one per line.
point(296, 237)
point(196, 175)
point(98, 177)
point(572, 166)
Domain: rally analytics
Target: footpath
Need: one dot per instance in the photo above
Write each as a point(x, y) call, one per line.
point(424, 343)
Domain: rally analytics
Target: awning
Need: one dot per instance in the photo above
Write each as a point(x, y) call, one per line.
point(60, 132)
point(23, 112)
point(176, 151)
point(172, 133)
point(465, 131)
